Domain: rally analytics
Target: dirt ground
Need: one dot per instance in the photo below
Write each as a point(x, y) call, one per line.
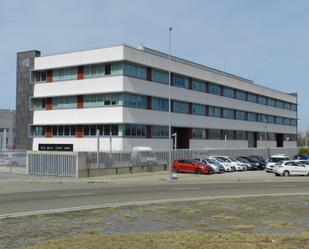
point(260, 222)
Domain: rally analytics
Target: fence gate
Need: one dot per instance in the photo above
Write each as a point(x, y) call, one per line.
point(52, 163)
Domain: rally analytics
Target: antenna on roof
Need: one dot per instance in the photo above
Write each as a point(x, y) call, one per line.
point(141, 46)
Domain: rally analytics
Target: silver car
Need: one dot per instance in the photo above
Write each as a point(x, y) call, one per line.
point(217, 167)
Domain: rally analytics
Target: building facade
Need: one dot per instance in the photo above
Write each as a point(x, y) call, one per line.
point(122, 92)
point(7, 129)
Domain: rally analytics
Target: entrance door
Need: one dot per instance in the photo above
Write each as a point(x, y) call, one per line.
point(279, 139)
point(251, 139)
point(183, 137)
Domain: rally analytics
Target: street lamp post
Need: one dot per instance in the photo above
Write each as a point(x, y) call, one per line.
point(169, 106)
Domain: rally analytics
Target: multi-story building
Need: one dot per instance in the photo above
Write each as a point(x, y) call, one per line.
point(7, 129)
point(122, 92)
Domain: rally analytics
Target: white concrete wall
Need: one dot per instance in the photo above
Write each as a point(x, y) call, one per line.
point(266, 144)
point(213, 144)
point(290, 144)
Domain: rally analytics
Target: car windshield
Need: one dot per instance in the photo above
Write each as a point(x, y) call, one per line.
point(147, 154)
point(277, 159)
point(233, 159)
point(222, 160)
point(211, 161)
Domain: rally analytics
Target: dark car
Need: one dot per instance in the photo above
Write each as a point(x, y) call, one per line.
point(260, 158)
point(253, 166)
point(260, 165)
point(190, 166)
point(301, 157)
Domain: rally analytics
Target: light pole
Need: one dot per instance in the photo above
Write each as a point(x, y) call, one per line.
point(169, 106)
point(265, 132)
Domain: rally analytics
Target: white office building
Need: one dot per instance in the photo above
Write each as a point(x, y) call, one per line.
point(122, 91)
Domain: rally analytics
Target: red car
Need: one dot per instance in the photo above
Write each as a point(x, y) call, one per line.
point(190, 166)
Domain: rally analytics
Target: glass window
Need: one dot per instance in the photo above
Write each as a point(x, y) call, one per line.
point(270, 119)
point(293, 107)
point(279, 104)
point(287, 106)
point(262, 100)
point(159, 131)
point(241, 115)
point(230, 135)
point(37, 131)
point(117, 69)
point(228, 113)
point(262, 118)
point(241, 95)
point(180, 107)
point(271, 136)
point(135, 100)
point(198, 133)
point(61, 74)
point(159, 76)
point(286, 121)
point(135, 71)
point(214, 134)
point(214, 89)
point(180, 81)
point(159, 104)
point(252, 116)
point(40, 76)
point(38, 104)
point(293, 122)
point(214, 111)
point(252, 97)
point(271, 102)
point(240, 135)
point(198, 86)
point(134, 130)
point(64, 102)
point(228, 92)
point(96, 70)
point(198, 109)
point(279, 120)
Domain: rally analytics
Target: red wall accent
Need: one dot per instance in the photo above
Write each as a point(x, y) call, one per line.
point(80, 73)
point(49, 104)
point(148, 135)
point(80, 101)
point(149, 73)
point(79, 131)
point(48, 131)
point(49, 76)
point(190, 83)
point(190, 108)
point(149, 102)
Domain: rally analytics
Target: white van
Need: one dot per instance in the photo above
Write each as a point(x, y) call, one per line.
point(141, 156)
point(275, 159)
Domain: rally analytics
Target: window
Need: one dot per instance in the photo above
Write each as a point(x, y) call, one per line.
point(230, 135)
point(241, 95)
point(40, 77)
point(64, 102)
point(214, 89)
point(214, 111)
point(279, 104)
point(131, 130)
point(116, 69)
point(134, 100)
point(198, 86)
point(286, 121)
point(198, 109)
point(279, 120)
point(241, 115)
point(270, 102)
point(271, 119)
point(69, 73)
point(159, 104)
point(96, 70)
point(102, 100)
point(240, 135)
point(135, 71)
point(228, 92)
point(262, 100)
point(159, 131)
point(271, 136)
point(262, 118)
point(287, 106)
point(198, 133)
point(159, 76)
point(214, 134)
point(180, 107)
point(293, 107)
point(293, 122)
point(38, 104)
point(252, 116)
point(64, 130)
point(180, 81)
point(252, 97)
point(37, 131)
point(228, 113)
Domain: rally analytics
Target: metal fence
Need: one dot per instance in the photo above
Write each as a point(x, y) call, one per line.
point(52, 163)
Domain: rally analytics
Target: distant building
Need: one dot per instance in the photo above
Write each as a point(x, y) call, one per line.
point(122, 91)
point(7, 129)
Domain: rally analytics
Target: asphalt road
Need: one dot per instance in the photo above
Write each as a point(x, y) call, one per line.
point(79, 195)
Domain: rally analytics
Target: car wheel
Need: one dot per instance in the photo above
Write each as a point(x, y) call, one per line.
point(198, 171)
point(286, 173)
point(277, 174)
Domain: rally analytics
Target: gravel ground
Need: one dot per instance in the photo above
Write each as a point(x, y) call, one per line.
point(259, 216)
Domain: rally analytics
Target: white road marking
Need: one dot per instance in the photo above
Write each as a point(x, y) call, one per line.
point(280, 186)
point(181, 189)
point(122, 204)
point(73, 195)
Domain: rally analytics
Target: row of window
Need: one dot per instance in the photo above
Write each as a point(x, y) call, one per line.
point(137, 71)
point(133, 130)
point(159, 104)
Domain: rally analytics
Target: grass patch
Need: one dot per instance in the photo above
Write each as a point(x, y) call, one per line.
point(90, 222)
point(242, 227)
point(225, 217)
point(283, 225)
point(190, 211)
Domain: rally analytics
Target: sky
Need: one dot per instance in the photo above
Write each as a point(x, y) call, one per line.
point(265, 41)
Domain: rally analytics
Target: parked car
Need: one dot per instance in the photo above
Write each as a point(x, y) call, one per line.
point(216, 167)
point(292, 167)
point(259, 158)
point(260, 165)
point(301, 157)
point(238, 165)
point(13, 158)
point(143, 156)
point(250, 165)
point(275, 159)
point(191, 166)
point(228, 167)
